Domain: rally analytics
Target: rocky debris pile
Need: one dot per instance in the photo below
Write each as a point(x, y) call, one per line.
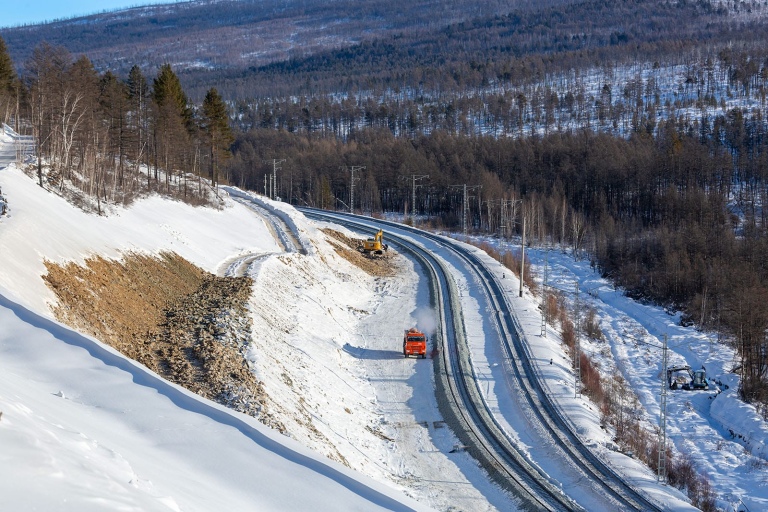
point(347, 248)
point(189, 326)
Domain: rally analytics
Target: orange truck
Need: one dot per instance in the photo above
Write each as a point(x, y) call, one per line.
point(414, 343)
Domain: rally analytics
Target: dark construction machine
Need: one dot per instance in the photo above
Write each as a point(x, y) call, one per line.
point(683, 377)
point(414, 343)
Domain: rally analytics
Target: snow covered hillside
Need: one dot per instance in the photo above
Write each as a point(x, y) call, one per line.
point(83, 428)
point(88, 429)
point(92, 430)
point(723, 438)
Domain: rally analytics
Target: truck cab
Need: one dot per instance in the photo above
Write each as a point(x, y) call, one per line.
point(414, 343)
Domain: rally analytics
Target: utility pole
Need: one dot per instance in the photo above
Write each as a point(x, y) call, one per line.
point(522, 252)
point(352, 179)
point(275, 166)
point(662, 474)
point(576, 347)
point(502, 229)
point(415, 178)
point(465, 208)
point(545, 308)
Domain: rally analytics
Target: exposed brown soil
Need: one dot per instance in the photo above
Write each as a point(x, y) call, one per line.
point(348, 248)
point(183, 323)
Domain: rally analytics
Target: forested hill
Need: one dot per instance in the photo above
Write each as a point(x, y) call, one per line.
point(268, 48)
point(517, 46)
point(217, 35)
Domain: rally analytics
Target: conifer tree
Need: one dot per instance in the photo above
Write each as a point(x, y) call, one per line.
point(173, 123)
point(168, 93)
point(217, 129)
point(114, 103)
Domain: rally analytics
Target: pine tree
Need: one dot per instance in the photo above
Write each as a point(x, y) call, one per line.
point(114, 103)
point(173, 123)
point(168, 93)
point(217, 129)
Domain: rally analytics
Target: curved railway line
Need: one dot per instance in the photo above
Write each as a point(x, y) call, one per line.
point(460, 398)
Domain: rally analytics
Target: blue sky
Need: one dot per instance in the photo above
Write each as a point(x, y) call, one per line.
point(16, 12)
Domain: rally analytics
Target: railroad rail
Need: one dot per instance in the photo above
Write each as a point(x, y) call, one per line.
point(460, 399)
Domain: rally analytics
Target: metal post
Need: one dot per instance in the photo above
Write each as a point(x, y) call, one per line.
point(352, 180)
point(413, 195)
point(545, 308)
point(502, 228)
point(464, 216)
point(662, 470)
point(522, 253)
point(273, 179)
point(576, 348)
point(465, 207)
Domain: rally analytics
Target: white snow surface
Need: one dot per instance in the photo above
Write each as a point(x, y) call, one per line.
point(725, 438)
point(83, 428)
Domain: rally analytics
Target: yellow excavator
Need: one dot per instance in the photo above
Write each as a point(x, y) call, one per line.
point(374, 246)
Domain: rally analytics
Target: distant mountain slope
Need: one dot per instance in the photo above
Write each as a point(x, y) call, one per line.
point(240, 33)
point(518, 46)
point(273, 48)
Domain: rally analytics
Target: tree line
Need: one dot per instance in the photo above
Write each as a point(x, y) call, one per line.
point(111, 137)
point(674, 216)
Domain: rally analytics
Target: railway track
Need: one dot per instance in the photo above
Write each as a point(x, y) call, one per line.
point(460, 399)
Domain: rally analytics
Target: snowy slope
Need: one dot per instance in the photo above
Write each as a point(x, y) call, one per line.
point(89, 430)
point(82, 428)
point(725, 438)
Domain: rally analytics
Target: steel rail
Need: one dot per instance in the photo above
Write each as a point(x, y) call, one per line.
point(539, 400)
point(459, 398)
point(548, 413)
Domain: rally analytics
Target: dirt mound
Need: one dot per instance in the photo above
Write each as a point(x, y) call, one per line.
point(183, 323)
point(348, 248)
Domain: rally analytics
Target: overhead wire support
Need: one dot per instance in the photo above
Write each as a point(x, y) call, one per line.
point(545, 306)
point(576, 347)
point(662, 467)
point(352, 169)
point(275, 166)
point(465, 209)
point(522, 251)
point(415, 178)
